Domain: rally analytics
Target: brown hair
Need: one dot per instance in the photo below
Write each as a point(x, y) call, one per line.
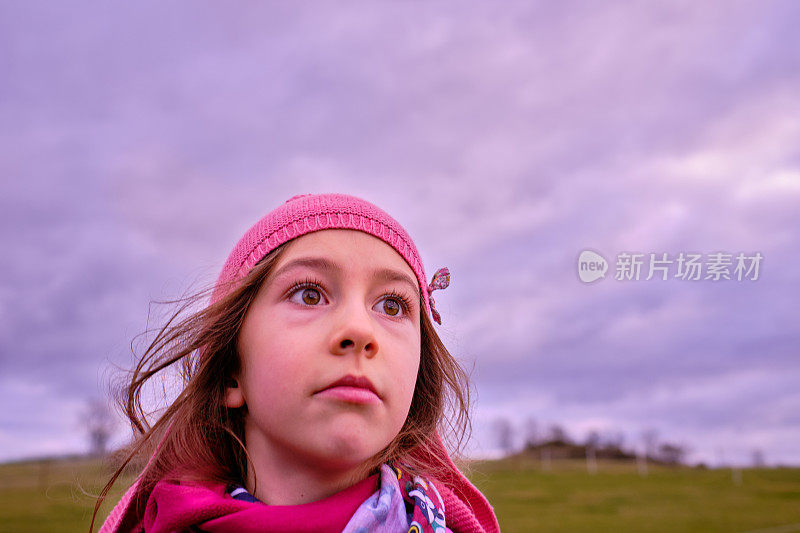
point(201, 439)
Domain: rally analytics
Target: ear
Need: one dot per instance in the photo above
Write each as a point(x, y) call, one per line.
point(234, 397)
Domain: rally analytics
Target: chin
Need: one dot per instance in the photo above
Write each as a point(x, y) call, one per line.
point(351, 450)
point(345, 452)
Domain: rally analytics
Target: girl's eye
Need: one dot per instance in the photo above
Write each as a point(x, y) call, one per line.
point(311, 296)
point(307, 296)
point(393, 306)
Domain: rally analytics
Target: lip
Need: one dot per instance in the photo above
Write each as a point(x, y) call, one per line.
point(352, 389)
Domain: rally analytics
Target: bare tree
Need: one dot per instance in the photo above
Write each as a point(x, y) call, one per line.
point(591, 444)
point(650, 440)
point(531, 432)
point(758, 458)
point(671, 453)
point(592, 439)
point(558, 434)
point(504, 431)
point(99, 421)
point(614, 439)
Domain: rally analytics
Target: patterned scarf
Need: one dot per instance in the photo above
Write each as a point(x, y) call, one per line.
point(403, 503)
point(400, 504)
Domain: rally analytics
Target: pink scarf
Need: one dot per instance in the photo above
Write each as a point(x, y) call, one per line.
point(467, 510)
point(389, 502)
point(173, 507)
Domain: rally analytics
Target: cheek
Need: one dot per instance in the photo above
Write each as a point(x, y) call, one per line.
point(406, 372)
point(270, 382)
point(270, 371)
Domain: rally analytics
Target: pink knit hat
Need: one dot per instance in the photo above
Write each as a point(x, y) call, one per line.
point(466, 509)
point(307, 213)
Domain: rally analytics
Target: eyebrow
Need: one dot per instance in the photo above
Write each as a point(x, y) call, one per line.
point(326, 265)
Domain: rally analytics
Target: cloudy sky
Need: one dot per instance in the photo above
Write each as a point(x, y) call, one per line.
point(141, 140)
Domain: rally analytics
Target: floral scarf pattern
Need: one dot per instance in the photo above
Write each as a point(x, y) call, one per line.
point(402, 504)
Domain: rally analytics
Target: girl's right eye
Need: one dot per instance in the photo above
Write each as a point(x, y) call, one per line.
point(306, 294)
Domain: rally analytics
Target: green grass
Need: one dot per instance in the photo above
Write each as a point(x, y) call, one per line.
point(57, 496)
point(617, 498)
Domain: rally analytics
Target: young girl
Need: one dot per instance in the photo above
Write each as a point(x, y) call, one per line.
point(315, 390)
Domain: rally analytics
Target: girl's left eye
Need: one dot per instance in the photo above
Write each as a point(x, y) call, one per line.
point(309, 294)
point(393, 305)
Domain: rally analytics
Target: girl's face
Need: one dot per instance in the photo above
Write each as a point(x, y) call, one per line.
point(338, 303)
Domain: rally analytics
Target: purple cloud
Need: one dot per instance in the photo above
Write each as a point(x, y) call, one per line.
point(141, 141)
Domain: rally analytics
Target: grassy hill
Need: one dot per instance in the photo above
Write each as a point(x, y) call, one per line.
point(54, 495)
point(618, 498)
point(57, 495)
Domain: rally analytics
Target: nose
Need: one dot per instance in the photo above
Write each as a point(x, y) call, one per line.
point(354, 333)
